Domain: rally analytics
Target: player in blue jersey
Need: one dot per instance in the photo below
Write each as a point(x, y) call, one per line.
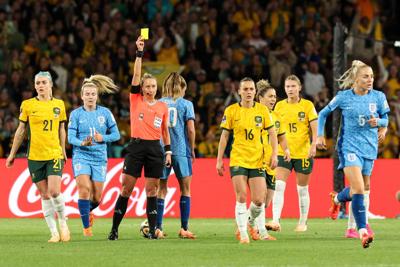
point(363, 111)
point(90, 128)
point(182, 132)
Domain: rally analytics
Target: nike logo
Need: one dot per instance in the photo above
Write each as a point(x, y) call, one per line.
point(33, 112)
point(82, 121)
point(237, 120)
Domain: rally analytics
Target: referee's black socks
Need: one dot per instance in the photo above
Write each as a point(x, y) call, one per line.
point(119, 211)
point(151, 211)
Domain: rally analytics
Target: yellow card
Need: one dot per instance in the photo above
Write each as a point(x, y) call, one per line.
point(144, 32)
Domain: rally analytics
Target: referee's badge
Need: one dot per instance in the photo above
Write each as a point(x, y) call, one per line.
point(372, 107)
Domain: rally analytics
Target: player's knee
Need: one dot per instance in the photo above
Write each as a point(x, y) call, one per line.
point(126, 191)
point(241, 197)
point(151, 190)
point(258, 202)
point(54, 193)
point(162, 191)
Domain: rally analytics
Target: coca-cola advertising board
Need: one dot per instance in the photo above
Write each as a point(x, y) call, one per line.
point(212, 195)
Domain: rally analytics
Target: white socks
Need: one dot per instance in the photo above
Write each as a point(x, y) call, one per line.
point(48, 213)
point(241, 219)
point(351, 223)
point(59, 207)
point(304, 203)
point(254, 212)
point(278, 200)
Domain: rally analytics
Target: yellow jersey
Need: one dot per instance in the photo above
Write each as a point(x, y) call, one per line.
point(296, 118)
point(43, 118)
point(247, 125)
point(280, 130)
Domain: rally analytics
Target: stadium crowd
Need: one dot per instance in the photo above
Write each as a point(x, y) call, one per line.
point(217, 42)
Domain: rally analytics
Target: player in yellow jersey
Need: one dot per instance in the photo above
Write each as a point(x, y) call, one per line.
point(298, 116)
point(266, 95)
point(43, 117)
point(247, 120)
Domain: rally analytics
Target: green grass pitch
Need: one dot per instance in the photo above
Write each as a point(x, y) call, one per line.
point(23, 242)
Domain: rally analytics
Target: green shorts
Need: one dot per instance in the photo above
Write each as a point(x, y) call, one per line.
point(270, 181)
point(303, 166)
point(41, 169)
point(250, 173)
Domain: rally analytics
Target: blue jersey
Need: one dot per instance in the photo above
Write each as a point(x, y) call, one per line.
point(84, 123)
point(356, 135)
point(180, 111)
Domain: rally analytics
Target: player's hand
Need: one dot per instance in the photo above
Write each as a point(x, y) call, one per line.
point(273, 162)
point(220, 167)
point(286, 155)
point(140, 43)
point(373, 122)
point(168, 160)
point(321, 143)
point(98, 137)
point(10, 161)
point(193, 156)
point(313, 151)
point(381, 134)
point(88, 141)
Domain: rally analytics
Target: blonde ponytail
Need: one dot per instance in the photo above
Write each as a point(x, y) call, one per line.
point(262, 88)
point(348, 78)
point(104, 84)
point(173, 85)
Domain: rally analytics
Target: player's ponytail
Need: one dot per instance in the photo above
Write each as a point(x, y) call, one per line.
point(348, 78)
point(173, 85)
point(104, 84)
point(263, 86)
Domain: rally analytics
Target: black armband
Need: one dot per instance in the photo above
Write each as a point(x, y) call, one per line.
point(139, 53)
point(135, 89)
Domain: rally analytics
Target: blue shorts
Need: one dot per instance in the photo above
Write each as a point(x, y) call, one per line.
point(352, 159)
point(97, 172)
point(182, 167)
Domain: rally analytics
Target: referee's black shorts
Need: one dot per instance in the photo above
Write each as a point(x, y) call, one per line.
point(144, 153)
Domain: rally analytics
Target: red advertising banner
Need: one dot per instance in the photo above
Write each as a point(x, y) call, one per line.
point(212, 195)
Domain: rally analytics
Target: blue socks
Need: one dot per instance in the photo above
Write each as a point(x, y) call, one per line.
point(185, 211)
point(358, 208)
point(344, 195)
point(84, 209)
point(160, 212)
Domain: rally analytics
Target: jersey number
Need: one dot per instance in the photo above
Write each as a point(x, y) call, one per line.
point(361, 120)
point(47, 125)
point(173, 117)
point(292, 127)
point(249, 134)
point(305, 163)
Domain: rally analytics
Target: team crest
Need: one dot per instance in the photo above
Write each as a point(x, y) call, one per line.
point(258, 121)
point(56, 112)
point(302, 116)
point(372, 107)
point(141, 115)
point(101, 120)
point(78, 167)
point(277, 124)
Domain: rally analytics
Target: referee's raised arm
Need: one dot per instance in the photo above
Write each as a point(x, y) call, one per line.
point(137, 70)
